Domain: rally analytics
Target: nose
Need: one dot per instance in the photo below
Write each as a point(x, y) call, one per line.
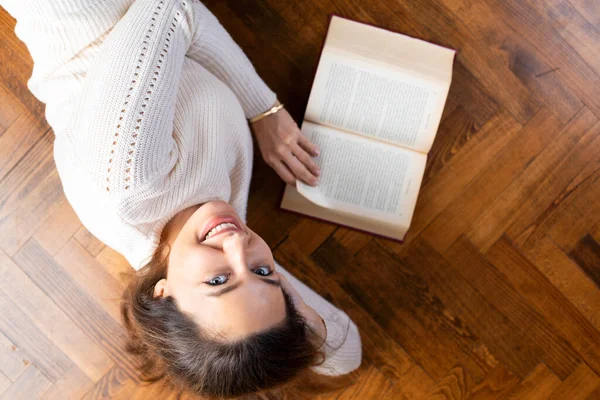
point(234, 248)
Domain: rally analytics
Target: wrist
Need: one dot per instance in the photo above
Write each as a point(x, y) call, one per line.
point(276, 107)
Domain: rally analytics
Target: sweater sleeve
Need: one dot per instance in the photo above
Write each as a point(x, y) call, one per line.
point(216, 51)
point(122, 126)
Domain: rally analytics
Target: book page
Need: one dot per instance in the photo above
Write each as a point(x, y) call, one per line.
point(294, 201)
point(387, 103)
point(378, 44)
point(364, 177)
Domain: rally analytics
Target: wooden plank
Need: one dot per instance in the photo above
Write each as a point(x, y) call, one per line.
point(18, 138)
point(551, 345)
point(370, 385)
point(4, 383)
point(351, 240)
point(88, 315)
point(570, 24)
point(14, 360)
point(595, 395)
point(413, 314)
point(578, 218)
point(471, 95)
point(462, 169)
point(533, 285)
point(562, 207)
point(116, 385)
point(595, 232)
point(564, 157)
point(51, 321)
point(7, 25)
point(378, 348)
point(413, 385)
point(58, 228)
point(110, 386)
point(31, 170)
point(537, 386)
point(464, 210)
point(587, 255)
point(28, 195)
point(590, 10)
point(116, 265)
point(274, 225)
point(21, 331)
point(497, 383)
point(518, 54)
point(309, 234)
point(578, 386)
point(15, 74)
point(455, 385)
point(567, 277)
point(568, 64)
point(538, 211)
point(89, 275)
point(73, 385)
point(89, 241)
point(11, 108)
point(41, 201)
point(454, 133)
point(473, 308)
point(31, 385)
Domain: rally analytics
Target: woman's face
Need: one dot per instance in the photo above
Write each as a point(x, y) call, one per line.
point(221, 273)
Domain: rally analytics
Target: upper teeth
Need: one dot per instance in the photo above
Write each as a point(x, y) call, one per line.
point(218, 228)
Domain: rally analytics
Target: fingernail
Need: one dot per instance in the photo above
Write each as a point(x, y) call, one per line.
point(318, 171)
point(317, 152)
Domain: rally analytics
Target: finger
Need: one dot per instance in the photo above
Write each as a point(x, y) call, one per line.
point(308, 145)
point(299, 170)
point(305, 159)
point(284, 173)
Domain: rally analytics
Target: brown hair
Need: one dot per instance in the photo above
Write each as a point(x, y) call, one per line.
point(172, 346)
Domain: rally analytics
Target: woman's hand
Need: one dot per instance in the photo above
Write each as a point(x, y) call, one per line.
point(285, 149)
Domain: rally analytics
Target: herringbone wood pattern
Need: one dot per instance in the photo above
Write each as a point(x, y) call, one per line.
point(494, 295)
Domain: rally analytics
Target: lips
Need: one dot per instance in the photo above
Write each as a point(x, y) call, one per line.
point(216, 221)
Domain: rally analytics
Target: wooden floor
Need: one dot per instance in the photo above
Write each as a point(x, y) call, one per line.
point(494, 295)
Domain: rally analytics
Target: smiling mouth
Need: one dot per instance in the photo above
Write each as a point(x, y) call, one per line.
point(220, 225)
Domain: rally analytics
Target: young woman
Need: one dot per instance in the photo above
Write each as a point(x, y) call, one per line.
point(149, 102)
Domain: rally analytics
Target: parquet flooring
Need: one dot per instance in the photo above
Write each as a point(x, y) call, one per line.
point(495, 294)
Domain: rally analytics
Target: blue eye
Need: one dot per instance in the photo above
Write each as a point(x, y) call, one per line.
point(262, 271)
point(218, 280)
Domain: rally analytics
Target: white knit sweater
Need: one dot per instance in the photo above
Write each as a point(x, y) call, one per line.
point(148, 100)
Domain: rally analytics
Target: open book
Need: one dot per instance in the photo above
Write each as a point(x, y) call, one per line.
point(373, 111)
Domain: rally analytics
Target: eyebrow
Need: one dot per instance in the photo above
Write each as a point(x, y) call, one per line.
point(229, 288)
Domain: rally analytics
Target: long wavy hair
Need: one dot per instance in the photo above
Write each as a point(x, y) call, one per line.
point(175, 349)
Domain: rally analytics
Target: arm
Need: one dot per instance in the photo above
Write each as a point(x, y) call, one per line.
point(122, 125)
point(281, 144)
point(216, 51)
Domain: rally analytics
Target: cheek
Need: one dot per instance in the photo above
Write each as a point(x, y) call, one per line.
point(262, 247)
point(188, 262)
